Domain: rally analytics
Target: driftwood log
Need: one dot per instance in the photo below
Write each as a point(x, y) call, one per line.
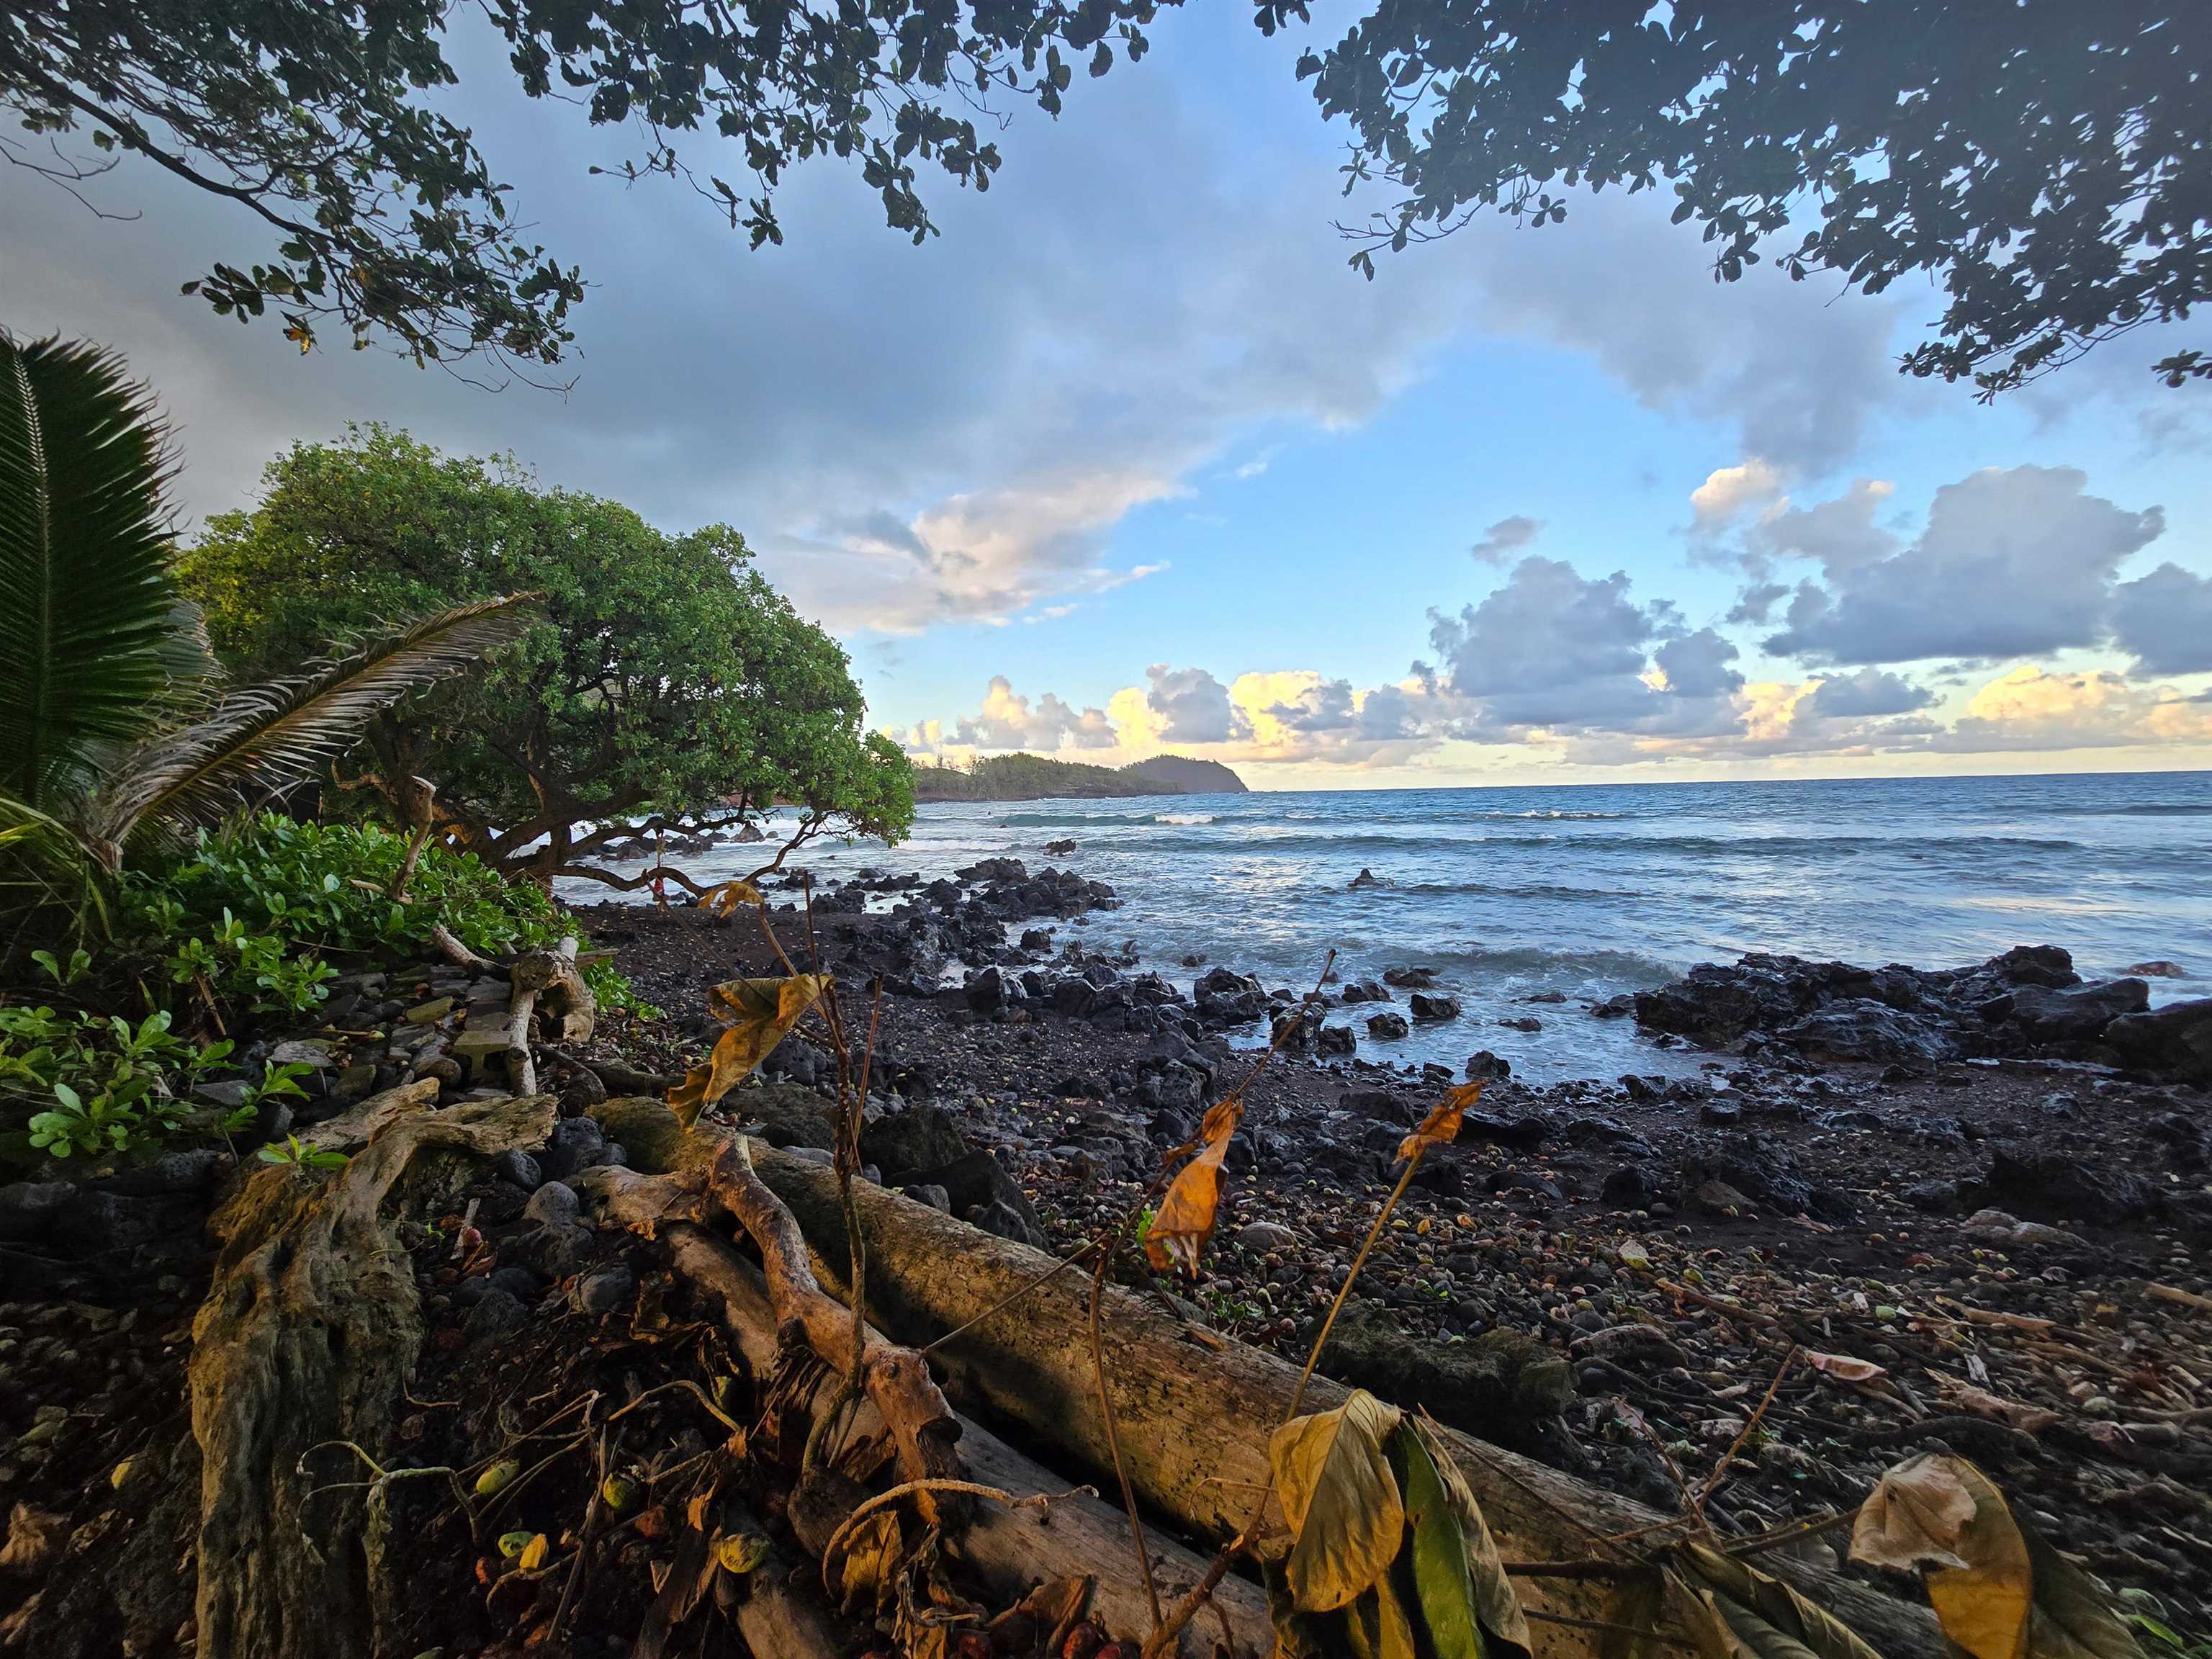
point(1195, 1418)
point(308, 1335)
point(548, 987)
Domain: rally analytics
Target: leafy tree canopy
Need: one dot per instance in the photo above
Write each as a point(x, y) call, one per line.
point(2046, 161)
point(320, 117)
point(668, 688)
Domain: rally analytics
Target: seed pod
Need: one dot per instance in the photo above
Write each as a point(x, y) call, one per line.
point(740, 1551)
point(620, 1495)
point(493, 1480)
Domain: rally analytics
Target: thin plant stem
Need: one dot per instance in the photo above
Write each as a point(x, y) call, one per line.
point(1106, 1410)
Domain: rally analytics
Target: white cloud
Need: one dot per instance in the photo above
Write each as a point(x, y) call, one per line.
point(1729, 491)
point(2033, 707)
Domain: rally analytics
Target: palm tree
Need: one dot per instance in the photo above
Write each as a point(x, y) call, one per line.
point(113, 723)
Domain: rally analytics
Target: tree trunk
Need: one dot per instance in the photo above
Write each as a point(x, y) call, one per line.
point(308, 1336)
point(1194, 1417)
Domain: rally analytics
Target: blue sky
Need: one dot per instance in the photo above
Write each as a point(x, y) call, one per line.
point(1128, 460)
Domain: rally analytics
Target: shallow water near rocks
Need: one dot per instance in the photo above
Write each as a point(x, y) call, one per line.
point(1586, 891)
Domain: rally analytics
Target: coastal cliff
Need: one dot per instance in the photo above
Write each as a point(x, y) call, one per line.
point(1033, 777)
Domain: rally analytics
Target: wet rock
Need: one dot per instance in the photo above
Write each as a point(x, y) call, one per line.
point(2074, 1014)
point(1861, 1029)
point(1484, 1064)
point(1336, 1040)
point(1427, 1005)
point(1522, 1022)
point(1366, 990)
point(2046, 1185)
point(1756, 1163)
point(1367, 877)
point(2175, 1040)
point(2158, 968)
point(1618, 1006)
point(1409, 978)
point(987, 992)
point(1388, 1025)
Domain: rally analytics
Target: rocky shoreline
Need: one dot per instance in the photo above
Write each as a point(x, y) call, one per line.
point(1978, 1197)
point(1962, 1209)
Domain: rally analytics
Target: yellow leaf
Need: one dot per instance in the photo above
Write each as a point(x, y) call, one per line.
point(1764, 1618)
point(535, 1553)
point(739, 1552)
point(1340, 1500)
point(724, 898)
point(1185, 1218)
point(757, 1013)
point(1442, 1124)
point(2001, 1591)
point(493, 1479)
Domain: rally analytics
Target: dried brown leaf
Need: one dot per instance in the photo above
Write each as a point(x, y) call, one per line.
point(1763, 1617)
point(1187, 1209)
point(757, 1014)
point(1843, 1367)
point(2029, 1419)
point(1916, 1516)
point(724, 897)
point(1441, 1126)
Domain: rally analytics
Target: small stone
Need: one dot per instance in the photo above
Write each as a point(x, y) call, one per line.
point(1261, 1236)
point(430, 1012)
point(553, 1203)
point(598, 1294)
point(519, 1167)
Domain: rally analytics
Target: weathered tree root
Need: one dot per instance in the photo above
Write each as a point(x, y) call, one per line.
point(1049, 1534)
point(309, 1335)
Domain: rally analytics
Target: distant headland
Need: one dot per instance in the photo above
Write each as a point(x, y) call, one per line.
point(1033, 777)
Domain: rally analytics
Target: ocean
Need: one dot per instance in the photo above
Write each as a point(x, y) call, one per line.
point(1588, 891)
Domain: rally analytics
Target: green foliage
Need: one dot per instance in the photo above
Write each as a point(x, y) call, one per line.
point(2044, 161)
point(96, 1085)
point(667, 685)
point(297, 1154)
point(254, 912)
point(1031, 777)
point(87, 608)
point(324, 118)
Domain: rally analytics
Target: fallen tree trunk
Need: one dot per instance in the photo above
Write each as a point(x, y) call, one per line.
point(1011, 1548)
point(308, 1336)
point(1195, 1418)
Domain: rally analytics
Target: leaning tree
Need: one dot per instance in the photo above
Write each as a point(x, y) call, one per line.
point(668, 691)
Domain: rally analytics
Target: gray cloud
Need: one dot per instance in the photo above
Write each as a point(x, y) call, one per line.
point(1840, 535)
point(1552, 650)
point(1194, 707)
point(1871, 691)
point(2011, 564)
point(1506, 537)
point(2165, 620)
point(1386, 714)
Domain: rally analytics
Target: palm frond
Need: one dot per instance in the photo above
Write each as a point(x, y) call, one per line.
point(85, 591)
point(266, 737)
point(52, 891)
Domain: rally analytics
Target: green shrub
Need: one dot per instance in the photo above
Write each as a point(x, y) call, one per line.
point(95, 1084)
point(255, 911)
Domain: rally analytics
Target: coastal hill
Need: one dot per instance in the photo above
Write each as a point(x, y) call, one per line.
point(1033, 777)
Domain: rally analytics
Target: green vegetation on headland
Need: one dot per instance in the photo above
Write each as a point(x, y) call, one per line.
point(1033, 777)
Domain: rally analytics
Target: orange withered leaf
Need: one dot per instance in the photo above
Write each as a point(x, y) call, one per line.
point(1442, 1125)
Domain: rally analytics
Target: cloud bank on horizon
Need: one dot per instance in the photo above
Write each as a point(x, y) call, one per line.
point(1127, 461)
point(1902, 646)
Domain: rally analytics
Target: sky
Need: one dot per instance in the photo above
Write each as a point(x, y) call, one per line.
point(1128, 461)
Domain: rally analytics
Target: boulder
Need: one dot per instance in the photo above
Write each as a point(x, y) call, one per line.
point(1337, 1039)
point(1387, 1024)
point(2046, 1185)
point(1755, 1164)
point(1862, 1029)
point(978, 1188)
point(919, 1138)
point(2173, 1041)
point(1408, 979)
point(1484, 1064)
point(2157, 968)
point(1427, 1005)
point(2076, 1013)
